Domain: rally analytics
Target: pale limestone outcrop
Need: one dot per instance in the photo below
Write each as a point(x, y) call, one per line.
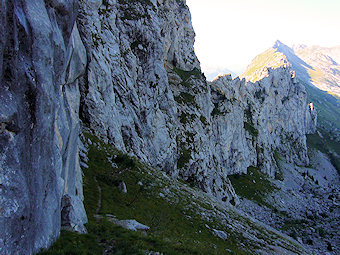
point(144, 91)
point(271, 117)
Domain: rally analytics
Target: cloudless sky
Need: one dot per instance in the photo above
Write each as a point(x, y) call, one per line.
point(230, 33)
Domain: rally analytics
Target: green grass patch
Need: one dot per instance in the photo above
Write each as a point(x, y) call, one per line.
point(176, 226)
point(278, 173)
point(327, 106)
point(184, 158)
point(203, 120)
point(216, 111)
point(294, 227)
point(255, 185)
point(185, 98)
point(184, 118)
point(132, 12)
point(186, 75)
point(269, 58)
point(74, 244)
point(250, 129)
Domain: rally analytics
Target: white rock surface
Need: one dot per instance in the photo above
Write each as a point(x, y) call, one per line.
point(129, 224)
point(122, 187)
point(265, 117)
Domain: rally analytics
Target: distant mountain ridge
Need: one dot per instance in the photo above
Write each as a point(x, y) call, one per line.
point(316, 65)
point(318, 69)
point(325, 71)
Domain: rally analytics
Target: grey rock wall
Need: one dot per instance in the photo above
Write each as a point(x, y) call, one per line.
point(265, 119)
point(41, 57)
point(144, 90)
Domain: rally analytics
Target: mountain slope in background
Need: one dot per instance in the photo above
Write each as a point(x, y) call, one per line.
point(214, 75)
point(317, 65)
point(317, 68)
point(325, 71)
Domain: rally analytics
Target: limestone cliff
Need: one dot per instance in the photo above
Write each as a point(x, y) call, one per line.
point(42, 56)
point(132, 77)
point(314, 67)
point(265, 119)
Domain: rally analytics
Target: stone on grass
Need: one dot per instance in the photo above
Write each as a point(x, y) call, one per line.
point(129, 224)
point(220, 234)
point(122, 187)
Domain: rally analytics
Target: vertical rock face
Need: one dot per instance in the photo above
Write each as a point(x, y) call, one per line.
point(41, 57)
point(144, 90)
point(268, 118)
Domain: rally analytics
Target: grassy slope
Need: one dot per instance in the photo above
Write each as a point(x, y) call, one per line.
point(258, 187)
point(177, 220)
point(269, 58)
point(327, 106)
point(254, 185)
point(327, 146)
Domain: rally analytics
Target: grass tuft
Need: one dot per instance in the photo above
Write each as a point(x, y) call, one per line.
point(254, 185)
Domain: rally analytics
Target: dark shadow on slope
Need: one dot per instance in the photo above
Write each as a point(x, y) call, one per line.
point(327, 106)
point(297, 63)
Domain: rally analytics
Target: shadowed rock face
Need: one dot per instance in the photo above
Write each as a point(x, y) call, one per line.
point(41, 58)
point(132, 77)
point(323, 66)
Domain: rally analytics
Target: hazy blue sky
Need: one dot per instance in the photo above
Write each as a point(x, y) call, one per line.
point(230, 33)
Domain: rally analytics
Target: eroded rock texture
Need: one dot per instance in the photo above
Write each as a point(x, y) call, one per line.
point(41, 56)
point(262, 120)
